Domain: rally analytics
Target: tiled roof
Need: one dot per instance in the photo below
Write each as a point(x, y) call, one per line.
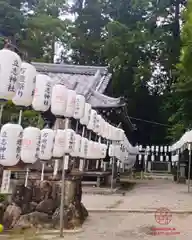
point(86, 80)
point(100, 100)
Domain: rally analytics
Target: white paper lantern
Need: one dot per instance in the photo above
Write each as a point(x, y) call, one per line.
point(79, 106)
point(98, 123)
point(118, 134)
point(140, 147)
point(86, 116)
point(161, 149)
point(10, 144)
point(84, 147)
point(25, 91)
point(59, 99)
point(147, 148)
point(46, 144)
point(121, 134)
point(111, 150)
point(103, 150)
point(70, 107)
point(69, 141)
point(92, 121)
point(59, 144)
point(113, 133)
point(77, 144)
point(85, 143)
point(10, 64)
point(97, 150)
point(42, 95)
point(157, 148)
point(152, 148)
point(91, 150)
point(106, 130)
point(30, 144)
point(102, 125)
point(110, 132)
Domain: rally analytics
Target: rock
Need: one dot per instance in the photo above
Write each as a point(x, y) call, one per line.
point(47, 206)
point(22, 195)
point(56, 192)
point(11, 216)
point(3, 207)
point(37, 195)
point(85, 213)
point(46, 189)
point(67, 217)
point(29, 207)
point(38, 205)
point(74, 216)
point(34, 219)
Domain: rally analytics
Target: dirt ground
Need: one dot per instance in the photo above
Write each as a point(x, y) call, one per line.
point(121, 226)
point(151, 195)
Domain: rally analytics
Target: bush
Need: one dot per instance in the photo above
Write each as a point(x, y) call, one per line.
point(2, 197)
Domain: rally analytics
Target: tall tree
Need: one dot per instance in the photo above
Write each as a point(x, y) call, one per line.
point(143, 48)
point(11, 20)
point(44, 29)
point(130, 50)
point(182, 92)
point(87, 33)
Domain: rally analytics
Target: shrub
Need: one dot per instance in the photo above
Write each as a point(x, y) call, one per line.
point(2, 197)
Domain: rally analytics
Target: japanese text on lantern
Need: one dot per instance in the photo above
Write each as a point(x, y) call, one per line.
point(86, 147)
point(13, 76)
point(3, 145)
point(71, 141)
point(77, 106)
point(21, 82)
point(18, 145)
point(43, 143)
point(47, 94)
point(37, 147)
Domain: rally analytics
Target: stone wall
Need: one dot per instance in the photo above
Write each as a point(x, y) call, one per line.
point(38, 205)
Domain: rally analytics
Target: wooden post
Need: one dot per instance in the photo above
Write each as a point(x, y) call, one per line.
point(189, 167)
point(62, 204)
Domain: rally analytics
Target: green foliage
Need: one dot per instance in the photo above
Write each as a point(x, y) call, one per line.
point(182, 92)
point(11, 18)
point(143, 54)
point(2, 197)
point(87, 32)
point(34, 26)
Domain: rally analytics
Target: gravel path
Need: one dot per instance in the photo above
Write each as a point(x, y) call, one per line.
point(135, 226)
point(149, 195)
point(109, 226)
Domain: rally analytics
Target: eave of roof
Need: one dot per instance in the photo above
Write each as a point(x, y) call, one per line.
point(90, 81)
point(70, 69)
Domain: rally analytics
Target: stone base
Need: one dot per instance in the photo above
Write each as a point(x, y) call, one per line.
point(182, 180)
point(38, 205)
point(108, 181)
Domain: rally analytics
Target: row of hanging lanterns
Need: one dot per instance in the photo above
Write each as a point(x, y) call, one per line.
point(183, 143)
point(20, 83)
